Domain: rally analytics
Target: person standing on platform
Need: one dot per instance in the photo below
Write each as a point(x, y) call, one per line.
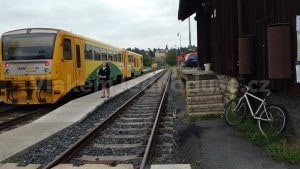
point(104, 74)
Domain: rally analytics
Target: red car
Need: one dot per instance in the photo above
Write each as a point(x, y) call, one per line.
point(189, 59)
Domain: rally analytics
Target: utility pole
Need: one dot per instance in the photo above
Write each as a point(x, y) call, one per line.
point(178, 34)
point(190, 34)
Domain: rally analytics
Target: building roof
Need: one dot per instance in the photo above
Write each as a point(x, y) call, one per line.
point(188, 8)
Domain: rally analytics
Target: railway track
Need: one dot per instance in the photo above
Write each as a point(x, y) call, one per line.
point(18, 115)
point(6, 108)
point(127, 135)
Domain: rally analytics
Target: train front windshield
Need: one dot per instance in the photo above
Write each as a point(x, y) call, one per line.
point(28, 46)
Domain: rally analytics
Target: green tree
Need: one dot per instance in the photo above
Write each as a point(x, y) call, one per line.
point(171, 58)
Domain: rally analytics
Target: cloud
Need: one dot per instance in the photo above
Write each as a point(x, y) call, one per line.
point(124, 23)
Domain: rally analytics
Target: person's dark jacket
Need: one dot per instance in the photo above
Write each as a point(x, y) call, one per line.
point(104, 72)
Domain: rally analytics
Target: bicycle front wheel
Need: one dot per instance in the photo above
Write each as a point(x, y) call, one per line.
point(235, 112)
point(273, 121)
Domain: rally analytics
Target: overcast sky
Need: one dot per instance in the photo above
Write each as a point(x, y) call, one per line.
point(123, 23)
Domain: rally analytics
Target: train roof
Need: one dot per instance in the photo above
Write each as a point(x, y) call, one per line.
point(130, 52)
point(53, 30)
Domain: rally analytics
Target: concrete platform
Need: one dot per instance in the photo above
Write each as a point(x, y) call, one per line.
point(171, 166)
point(19, 139)
point(15, 166)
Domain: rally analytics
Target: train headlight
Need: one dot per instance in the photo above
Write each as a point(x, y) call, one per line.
point(47, 63)
point(7, 64)
point(46, 69)
point(7, 71)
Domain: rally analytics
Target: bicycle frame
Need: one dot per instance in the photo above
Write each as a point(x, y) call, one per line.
point(262, 105)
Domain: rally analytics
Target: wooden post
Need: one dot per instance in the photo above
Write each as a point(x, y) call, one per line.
point(203, 38)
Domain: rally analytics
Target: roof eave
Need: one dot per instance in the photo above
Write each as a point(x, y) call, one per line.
point(188, 8)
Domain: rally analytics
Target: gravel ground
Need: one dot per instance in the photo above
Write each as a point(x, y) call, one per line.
point(47, 150)
point(210, 144)
point(165, 150)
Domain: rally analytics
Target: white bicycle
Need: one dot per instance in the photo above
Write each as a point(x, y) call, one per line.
point(271, 119)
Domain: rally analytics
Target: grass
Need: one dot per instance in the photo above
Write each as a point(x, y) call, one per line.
point(280, 147)
point(198, 164)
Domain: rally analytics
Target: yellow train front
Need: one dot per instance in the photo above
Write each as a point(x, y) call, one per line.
point(40, 66)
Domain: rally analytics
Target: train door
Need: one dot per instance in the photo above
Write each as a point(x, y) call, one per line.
point(125, 62)
point(66, 72)
point(79, 73)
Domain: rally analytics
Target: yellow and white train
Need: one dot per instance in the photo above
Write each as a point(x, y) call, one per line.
point(41, 65)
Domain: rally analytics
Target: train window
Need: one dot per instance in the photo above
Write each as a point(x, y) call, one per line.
point(110, 54)
point(88, 52)
point(119, 57)
point(134, 61)
point(129, 58)
point(67, 50)
point(97, 55)
point(115, 56)
point(104, 54)
point(28, 46)
point(123, 58)
point(78, 60)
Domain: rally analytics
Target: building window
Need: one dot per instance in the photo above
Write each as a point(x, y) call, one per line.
point(88, 52)
point(97, 55)
point(67, 50)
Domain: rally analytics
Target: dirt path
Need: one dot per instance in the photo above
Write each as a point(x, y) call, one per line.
point(211, 144)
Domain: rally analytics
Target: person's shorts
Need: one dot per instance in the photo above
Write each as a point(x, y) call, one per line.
point(105, 83)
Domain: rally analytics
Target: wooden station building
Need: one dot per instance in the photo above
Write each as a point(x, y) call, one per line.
point(257, 38)
point(252, 40)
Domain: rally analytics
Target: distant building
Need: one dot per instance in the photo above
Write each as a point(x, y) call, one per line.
point(160, 55)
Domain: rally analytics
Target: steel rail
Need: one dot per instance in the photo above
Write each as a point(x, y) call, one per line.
point(155, 125)
point(25, 117)
point(73, 149)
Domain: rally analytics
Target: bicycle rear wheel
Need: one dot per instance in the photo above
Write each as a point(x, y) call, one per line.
point(276, 123)
point(234, 113)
